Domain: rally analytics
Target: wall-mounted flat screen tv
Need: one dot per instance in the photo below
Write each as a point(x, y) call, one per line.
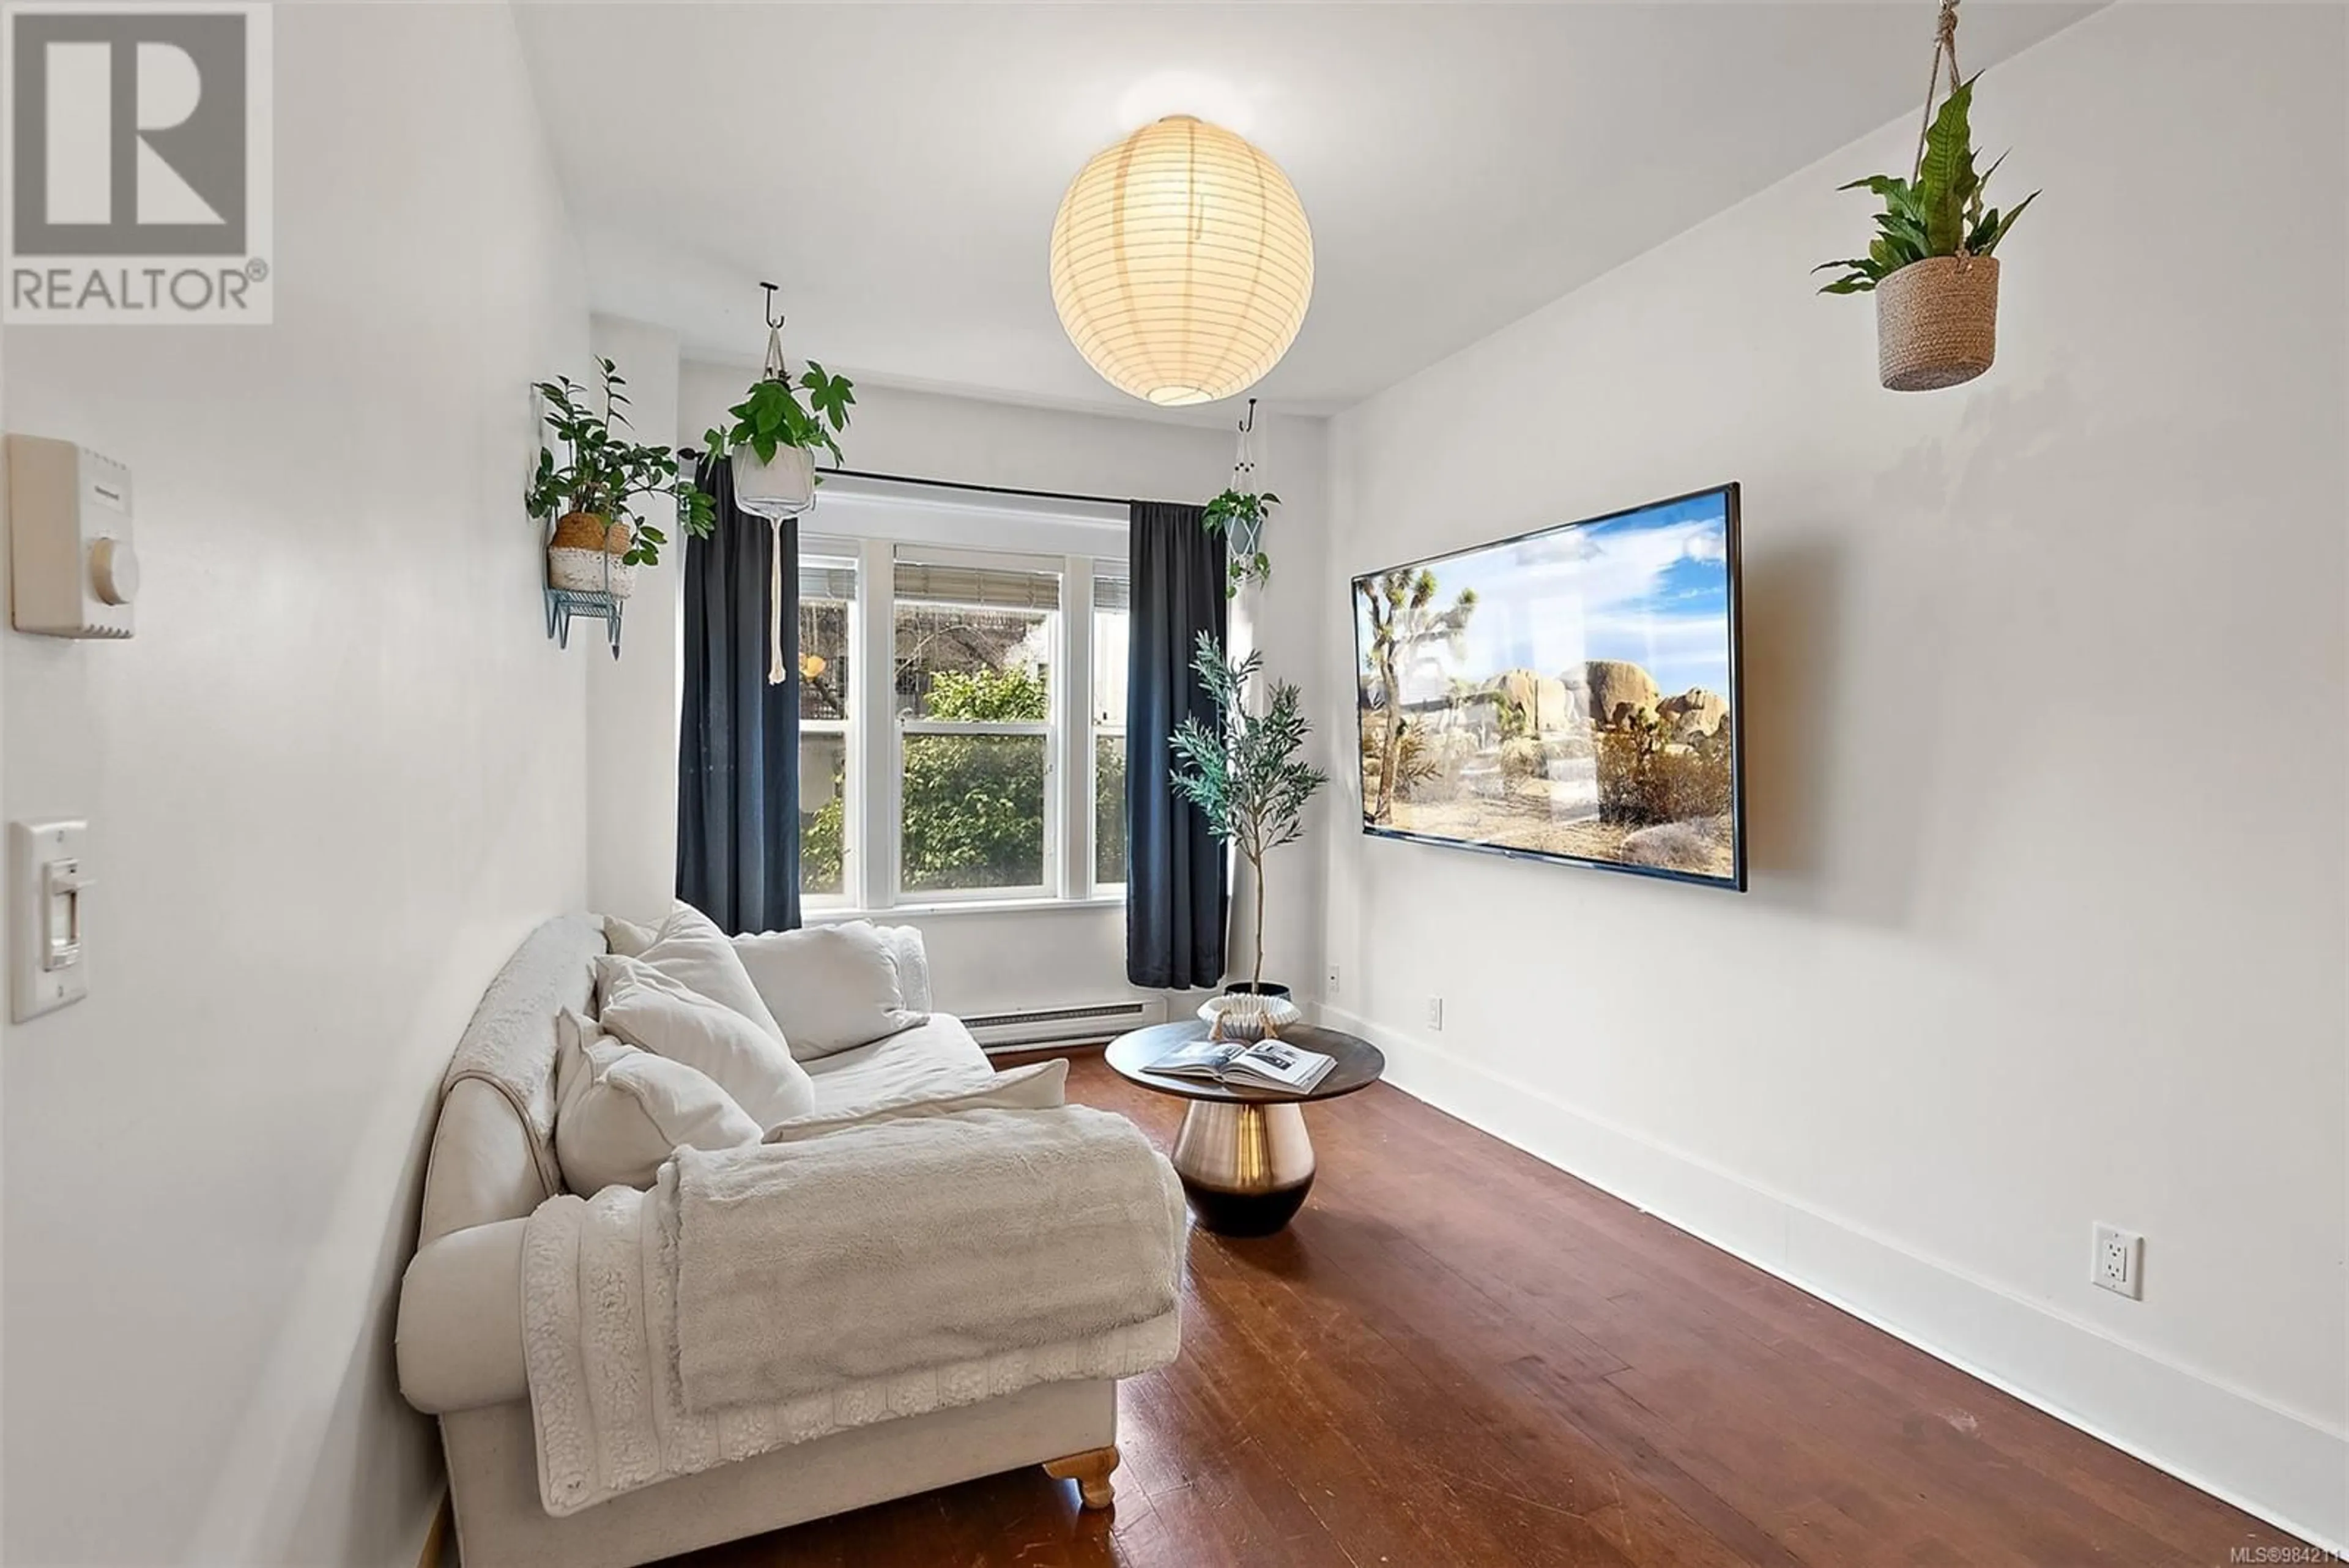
point(1569, 695)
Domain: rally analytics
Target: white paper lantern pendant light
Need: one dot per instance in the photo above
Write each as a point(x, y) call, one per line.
point(1181, 263)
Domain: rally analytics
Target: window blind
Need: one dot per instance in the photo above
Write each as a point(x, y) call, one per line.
point(820, 579)
point(979, 586)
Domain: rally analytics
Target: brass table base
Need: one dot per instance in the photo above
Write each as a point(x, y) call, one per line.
point(1246, 1168)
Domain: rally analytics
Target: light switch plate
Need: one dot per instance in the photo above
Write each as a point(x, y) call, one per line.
point(49, 963)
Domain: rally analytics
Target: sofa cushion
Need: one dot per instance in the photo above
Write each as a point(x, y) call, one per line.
point(691, 950)
point(935, 1057)
point(620, 1112)
point(913, 964)
point(657, 1013)
point(832, 988)
point(1040, 1086)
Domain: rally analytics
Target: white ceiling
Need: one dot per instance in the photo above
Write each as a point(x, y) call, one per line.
point(897, 168)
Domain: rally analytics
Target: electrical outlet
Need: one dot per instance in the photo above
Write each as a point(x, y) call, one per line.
point(1333, 979)
point(2118, 1262)
point(1435, 1014)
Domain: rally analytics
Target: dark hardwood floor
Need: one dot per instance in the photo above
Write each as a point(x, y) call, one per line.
point(1458, 1354)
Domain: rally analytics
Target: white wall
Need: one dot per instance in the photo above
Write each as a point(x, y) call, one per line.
point(632, 700)
point(984, 961)
point(2045, 761)
point(332, 782)
point(1283, 619)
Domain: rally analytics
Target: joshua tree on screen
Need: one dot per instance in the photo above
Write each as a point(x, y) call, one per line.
point(1404, 619)
point(1245, 775)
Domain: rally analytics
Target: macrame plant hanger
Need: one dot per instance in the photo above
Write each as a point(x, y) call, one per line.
point(1244, 458)
point(1945, 48)
point(1247, 539)
point(776, 673)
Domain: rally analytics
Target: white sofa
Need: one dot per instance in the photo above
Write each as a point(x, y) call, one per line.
point(461, 1353)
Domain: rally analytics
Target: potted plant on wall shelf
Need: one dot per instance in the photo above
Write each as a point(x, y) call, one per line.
point(1930, 265)
point(1246, 779)
point(592, 548)
point(772, 442)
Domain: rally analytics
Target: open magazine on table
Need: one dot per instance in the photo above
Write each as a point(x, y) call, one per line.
point(1246, 1064)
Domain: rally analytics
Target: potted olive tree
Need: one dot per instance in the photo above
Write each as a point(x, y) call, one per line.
point(592, 548)
point(1929, 264)
point(1246, 777)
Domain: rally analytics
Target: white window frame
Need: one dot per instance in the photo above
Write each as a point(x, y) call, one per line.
point(873, 822)
point(1094, 728)
point(855, 791)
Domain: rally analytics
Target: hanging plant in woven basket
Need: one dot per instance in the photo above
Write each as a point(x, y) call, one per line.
point(1930, 265)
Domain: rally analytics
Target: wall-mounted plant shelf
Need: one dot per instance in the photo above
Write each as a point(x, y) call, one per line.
point(562, 604)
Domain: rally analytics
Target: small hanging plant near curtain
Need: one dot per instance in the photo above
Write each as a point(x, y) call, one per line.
point(770, 448)
point(777, 429)
point(1930, 265)
point(1239, 515)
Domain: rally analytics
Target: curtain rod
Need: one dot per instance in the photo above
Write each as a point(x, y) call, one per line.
point(983, 489)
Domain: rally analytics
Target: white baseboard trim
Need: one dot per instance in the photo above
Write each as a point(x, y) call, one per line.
point(2228, 1442)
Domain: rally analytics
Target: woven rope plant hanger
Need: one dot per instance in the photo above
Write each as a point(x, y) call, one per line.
point(1945, 49)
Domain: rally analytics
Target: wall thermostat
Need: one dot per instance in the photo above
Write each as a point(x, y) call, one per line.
point(73, 570)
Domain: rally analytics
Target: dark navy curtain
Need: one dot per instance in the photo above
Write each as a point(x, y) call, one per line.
point(737, 774)
point(1177, 884)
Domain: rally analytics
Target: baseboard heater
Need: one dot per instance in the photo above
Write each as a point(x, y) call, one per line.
point(1032, 1026)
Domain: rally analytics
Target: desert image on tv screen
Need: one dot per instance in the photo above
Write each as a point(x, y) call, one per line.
point(1569, 693)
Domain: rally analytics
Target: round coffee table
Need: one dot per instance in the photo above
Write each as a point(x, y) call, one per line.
point(1244, 1159)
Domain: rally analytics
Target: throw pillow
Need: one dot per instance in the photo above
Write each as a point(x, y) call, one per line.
point(620, 1113)
point(832, 988)
point(1042, 1086)
point(626, 938)
point(691, 950)
point(657, 1013)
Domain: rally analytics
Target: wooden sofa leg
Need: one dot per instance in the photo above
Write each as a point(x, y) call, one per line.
point(1091, 1471)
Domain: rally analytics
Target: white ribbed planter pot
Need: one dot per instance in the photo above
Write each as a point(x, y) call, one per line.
point(782, 488)
point(590, 571)
point(1243, 1014)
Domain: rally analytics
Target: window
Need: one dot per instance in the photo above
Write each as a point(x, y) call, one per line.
point(974, 650)
point(962, 713)
point(1111, 599)
point(827, 735)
